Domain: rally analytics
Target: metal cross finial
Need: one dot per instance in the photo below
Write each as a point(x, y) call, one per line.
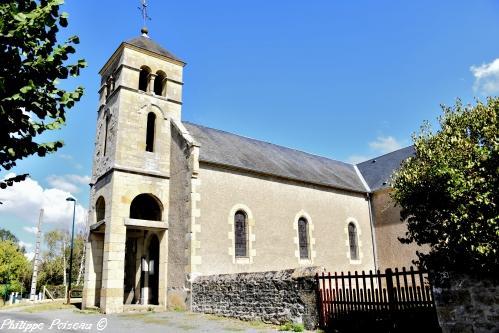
point(145, 16)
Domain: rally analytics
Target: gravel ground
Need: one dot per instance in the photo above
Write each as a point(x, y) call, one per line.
point(59, 318)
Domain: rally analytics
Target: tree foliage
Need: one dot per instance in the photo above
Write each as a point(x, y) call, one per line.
point(14, 268)
point(55, 260)
point(448, 191)
point(7, 235)
point(32, 64)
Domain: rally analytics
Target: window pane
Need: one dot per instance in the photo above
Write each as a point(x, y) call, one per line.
point(352, 237)
point(241, 239)
point(303, 238)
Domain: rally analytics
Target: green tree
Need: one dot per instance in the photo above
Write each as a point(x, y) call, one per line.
point(7, 235)
point(32, 64)
point(53, 263)
point(448, 191)
point(14, 268)
point(54, 267)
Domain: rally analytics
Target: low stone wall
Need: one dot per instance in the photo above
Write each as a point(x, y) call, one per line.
point(273, 297)
point(467, 305)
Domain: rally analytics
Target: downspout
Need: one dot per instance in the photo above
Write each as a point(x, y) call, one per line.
point(371, 216)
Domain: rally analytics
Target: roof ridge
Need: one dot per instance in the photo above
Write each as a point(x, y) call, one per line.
point(271, 144)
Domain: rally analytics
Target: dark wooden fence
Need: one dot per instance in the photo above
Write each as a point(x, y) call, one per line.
point(394, 301)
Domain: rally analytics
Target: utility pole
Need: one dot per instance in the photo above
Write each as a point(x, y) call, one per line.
point(71, 252)
point(36, 258)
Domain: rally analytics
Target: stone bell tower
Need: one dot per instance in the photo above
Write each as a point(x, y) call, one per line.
point(140, 102)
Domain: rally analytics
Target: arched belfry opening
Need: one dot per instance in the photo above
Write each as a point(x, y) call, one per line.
point(145, 73)
point(146, 207)
point(100, 209)
point(160, 84)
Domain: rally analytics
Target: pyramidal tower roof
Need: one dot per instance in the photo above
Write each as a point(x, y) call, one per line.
point(144, 42)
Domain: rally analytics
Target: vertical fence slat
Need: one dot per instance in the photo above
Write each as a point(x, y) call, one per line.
point(364, 297)
point(413, 289)
point(343, 304)
point(421, 283)
point(359, 305)
point(397, 291)
point(330, 295)
point(406, 286)
point(337, 307)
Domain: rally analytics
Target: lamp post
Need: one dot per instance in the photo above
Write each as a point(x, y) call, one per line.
point(71, 253)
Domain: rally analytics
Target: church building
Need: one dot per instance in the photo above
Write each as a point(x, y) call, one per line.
point(172, 200)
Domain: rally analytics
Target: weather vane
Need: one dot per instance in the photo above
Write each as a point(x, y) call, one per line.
point(145, 16)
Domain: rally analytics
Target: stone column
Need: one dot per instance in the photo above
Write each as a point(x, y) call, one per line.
point(163, 266)
point(93, 271)
point(150, 87)
point(113, 272)
point(138, 266)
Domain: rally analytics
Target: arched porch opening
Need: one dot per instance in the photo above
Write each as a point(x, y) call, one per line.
point(146, 207)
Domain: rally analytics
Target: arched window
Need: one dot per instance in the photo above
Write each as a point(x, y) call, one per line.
point(151, 124)
point(145, 72)
point(303, 238)
point(109, 86)
point(146, 207)
point(100, 209)
point(352, 238)
point(241, 234)
point(160, 84)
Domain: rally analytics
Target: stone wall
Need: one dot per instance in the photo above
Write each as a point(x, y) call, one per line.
point(467, 305)
point(179, 217)
point(274, 297)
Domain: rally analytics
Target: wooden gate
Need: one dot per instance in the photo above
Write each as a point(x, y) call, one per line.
point(381, 302)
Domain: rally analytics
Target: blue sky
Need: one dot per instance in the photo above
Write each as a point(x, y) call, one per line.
point(344, 79)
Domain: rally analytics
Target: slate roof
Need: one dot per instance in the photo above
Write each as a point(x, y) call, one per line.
point(148, 44)
point(229, 149)
point(377, 171)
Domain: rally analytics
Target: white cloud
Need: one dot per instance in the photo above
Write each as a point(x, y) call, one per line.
point(71, 161)
point(385, 144)
point(66, 157)
point(25, 199)
point(381, 145)
point(25, 245)
point(69, 183)
point(486, 78)
point(31, 230)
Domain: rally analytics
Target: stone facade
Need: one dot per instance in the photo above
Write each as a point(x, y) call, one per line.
point(273, 206)
point(275, 297)
point(467, 305)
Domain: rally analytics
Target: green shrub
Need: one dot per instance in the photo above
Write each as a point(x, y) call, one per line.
point(294, 327)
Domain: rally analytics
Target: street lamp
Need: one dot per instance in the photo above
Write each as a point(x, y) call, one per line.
point(71, 255)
